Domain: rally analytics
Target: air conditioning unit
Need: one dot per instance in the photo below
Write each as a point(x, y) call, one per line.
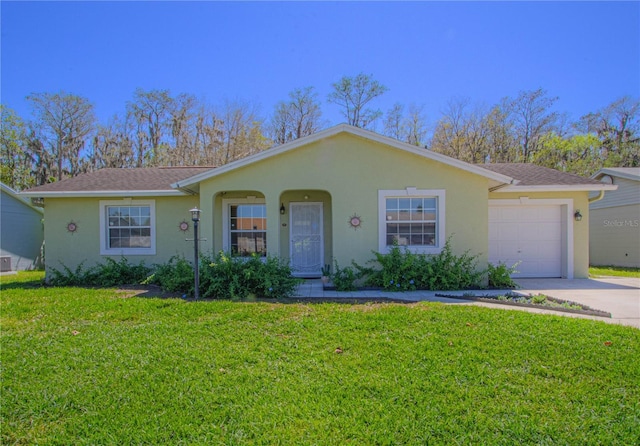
point(5, 264)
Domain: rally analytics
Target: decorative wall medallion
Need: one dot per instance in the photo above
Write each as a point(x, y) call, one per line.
point(72, 226)
point(183, 226)
point(355, 221)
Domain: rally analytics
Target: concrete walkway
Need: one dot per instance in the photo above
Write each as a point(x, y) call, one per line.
point(618, 296)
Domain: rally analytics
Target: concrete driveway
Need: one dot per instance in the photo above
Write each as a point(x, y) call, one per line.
point(620, 296)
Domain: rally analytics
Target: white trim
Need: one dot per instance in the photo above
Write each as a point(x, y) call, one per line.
point(557, 188)
point(441, 236)
point(628, 173)
point(302, 204)
point(344, 128)
point(226, 233)
point(106, 193)
point(567, 224)
point(104, 228)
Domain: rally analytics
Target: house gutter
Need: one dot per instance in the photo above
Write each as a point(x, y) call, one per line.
point(599, 197)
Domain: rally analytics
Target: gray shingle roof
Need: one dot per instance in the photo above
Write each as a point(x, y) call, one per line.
point(533, 175)
point(135, 179)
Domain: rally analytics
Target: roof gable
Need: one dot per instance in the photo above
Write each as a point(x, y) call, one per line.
point(495, 178)
point(629, 173)
point(15, 195)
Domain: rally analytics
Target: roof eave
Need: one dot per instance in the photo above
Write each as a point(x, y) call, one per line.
point(558, 188)
point(105, 193)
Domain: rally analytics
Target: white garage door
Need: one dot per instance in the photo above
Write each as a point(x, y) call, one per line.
point(530, 235)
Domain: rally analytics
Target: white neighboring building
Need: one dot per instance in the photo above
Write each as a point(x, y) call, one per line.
point(614, 221)
point(21, 232)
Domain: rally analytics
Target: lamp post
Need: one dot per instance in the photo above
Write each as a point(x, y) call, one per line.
point(195, 216)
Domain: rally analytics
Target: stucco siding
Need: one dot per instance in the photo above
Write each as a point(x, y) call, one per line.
point(347, 172)
point(615, 236)
point(83, 245)
point(580, 228)
point(22, 233)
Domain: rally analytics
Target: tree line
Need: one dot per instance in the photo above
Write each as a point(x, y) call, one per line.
point(63, 137)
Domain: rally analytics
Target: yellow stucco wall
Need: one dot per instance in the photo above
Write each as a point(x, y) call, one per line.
point(65, 248)
point(345, 172)
point(580, 200)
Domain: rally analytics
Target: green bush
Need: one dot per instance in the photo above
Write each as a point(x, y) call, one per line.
point(228, 277)
point(500, 275)
point(66, 277)
point(174, 276)
point(109, 273)
point(112, 273)
point(447, 271)
point(402, 270)
point(344, 278)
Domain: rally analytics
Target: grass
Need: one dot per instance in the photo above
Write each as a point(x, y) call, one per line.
point(615, 271)
point(86, 366)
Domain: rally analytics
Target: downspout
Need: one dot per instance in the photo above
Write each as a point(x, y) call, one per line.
point(597, 198)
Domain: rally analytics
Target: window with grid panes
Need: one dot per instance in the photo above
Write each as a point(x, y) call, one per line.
point(248, 229)
point(411, 221)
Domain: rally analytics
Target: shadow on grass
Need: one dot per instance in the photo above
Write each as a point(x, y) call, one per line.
point(24, 285)
point(155, 292)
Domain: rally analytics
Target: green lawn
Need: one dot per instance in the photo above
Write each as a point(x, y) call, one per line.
point(91, 367)
point(616, 271)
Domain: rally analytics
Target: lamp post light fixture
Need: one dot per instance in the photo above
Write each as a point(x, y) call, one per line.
point(577, 215)
point(195, 217)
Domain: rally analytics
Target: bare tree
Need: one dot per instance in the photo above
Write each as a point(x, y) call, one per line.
point(410, 128)
point(242, 131)
point(209, 136)
point(466, 132)
point(148, 114)
point(416, 125)
point(618, 128)
point(298, 117)
point(449, 137)
point(502, 143)
point(531, 115)
point(112, 146)
point(393, 122)
point(63, 124)
point(352, 94)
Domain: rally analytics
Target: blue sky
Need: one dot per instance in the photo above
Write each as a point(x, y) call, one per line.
point(586, 53)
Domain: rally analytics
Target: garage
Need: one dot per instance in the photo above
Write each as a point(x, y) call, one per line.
point(531, 236)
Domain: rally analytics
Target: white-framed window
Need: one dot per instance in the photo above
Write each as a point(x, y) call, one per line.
point(413, 218)
point(245, 226)
point(127, 227)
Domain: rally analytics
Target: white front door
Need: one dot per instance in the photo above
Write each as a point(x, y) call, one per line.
point(307, 239)
point(530, 236)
